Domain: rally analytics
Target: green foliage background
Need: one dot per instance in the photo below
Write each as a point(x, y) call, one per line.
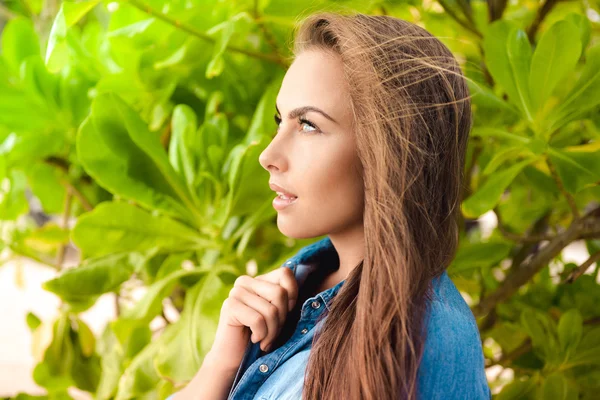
point(143, 120)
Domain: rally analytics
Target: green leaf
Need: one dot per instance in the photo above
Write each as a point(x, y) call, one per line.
point(86, 338)
point(118, 150)
point(195, 333)
point(519, 56)
point(485, 98)
point(13, 202)
point(555, 387)
point(518, 389)
point(58, 357)
point(130, 31)
point(69, 14)
point(485, 131)
point(19, 41)
point(501, 157)
point(227, 28)
point(184, 343)
point(583, 97)
point(570, 327)
point(542, 330)
point(45, 183)
point(583, 25)
point(488, 195)
point(555, 56)
point(91, 279)
point(121, 227)
point(33, 321)
point(36, 6)
point(183, 142)
point(508, 58)
point(151, 303)
point(113, 360)
point(74, 11)
point(588, 351)
point(576, 169)
point(56, 50)
point(478, 255)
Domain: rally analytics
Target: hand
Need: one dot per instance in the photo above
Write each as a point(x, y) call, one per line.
point(257, 307)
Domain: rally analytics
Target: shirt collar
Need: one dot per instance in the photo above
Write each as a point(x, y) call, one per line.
point(317, 255)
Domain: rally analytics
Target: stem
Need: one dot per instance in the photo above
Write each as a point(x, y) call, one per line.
point(531, 266)
point(202, 35)
point(541, 14)
point(582, 268)
point(568, 196)
point(464, 24)
point(60, 257)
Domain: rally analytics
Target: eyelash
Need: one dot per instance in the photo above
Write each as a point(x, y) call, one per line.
point(302, 121)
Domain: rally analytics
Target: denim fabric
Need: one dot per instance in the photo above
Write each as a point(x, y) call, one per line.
point(452, 367)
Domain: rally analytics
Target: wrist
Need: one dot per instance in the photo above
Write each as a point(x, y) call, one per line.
point(213, 361)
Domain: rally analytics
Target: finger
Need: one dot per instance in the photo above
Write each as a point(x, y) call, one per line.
point(284, 277)
point(245, 315)
point(272, 292)
point(269, 311)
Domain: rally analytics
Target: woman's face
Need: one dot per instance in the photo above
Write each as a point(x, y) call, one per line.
point(315, 160)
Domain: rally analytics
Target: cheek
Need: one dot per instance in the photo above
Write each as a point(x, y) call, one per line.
point(331, 198)
point(336, 189)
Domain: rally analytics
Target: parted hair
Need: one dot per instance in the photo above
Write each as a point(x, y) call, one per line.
point(411, 119)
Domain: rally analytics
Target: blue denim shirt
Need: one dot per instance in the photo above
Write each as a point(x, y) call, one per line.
point(452, 367)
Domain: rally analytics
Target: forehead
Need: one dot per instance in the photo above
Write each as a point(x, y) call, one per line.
point(315, 78)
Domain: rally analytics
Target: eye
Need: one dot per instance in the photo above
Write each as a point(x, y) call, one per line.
point(277, 120)
point(307, 122)
point(301, 120)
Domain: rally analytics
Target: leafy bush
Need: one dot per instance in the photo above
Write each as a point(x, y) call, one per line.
point(143, 122)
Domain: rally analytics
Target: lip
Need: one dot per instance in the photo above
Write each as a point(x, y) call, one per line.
point(279, 203)
point(277, 188)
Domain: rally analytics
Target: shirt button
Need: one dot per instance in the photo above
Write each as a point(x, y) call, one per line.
point(263, 368)
point(304, 331)
point(315, 304)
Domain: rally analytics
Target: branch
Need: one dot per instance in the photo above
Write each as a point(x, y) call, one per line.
point(531, 237)
point(467, 11)
point(576, 273)
point(202, 35)
point(507, 359)
point(539, 17)
point(63, 165)
point(6, 12)
point(496, 9)
point(268, 37)
point(532, 266)
point(568, 196)
point(60, 257)
point(464, 24)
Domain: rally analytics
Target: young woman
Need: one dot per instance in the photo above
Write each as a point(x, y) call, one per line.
point(373, 120)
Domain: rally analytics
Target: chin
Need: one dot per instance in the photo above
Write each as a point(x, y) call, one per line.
point(291, 230)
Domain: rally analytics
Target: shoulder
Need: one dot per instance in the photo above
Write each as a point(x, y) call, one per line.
point(453, 363)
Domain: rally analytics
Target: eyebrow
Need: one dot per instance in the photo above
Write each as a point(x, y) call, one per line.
point(303, 110)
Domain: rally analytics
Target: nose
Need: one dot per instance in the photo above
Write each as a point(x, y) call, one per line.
point(271, 158)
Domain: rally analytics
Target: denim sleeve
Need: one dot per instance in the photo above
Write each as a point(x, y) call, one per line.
point(453, 365)
point(171, 396)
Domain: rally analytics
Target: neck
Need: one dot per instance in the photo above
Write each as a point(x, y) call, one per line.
point(350, 247)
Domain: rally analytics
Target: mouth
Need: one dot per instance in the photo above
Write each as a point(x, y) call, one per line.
point(282, 193)
point(280, 202)
point(286, 197)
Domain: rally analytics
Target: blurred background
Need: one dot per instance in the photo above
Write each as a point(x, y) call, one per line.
point(131, 196)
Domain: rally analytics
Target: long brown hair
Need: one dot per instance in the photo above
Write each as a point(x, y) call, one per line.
point(412, 117)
